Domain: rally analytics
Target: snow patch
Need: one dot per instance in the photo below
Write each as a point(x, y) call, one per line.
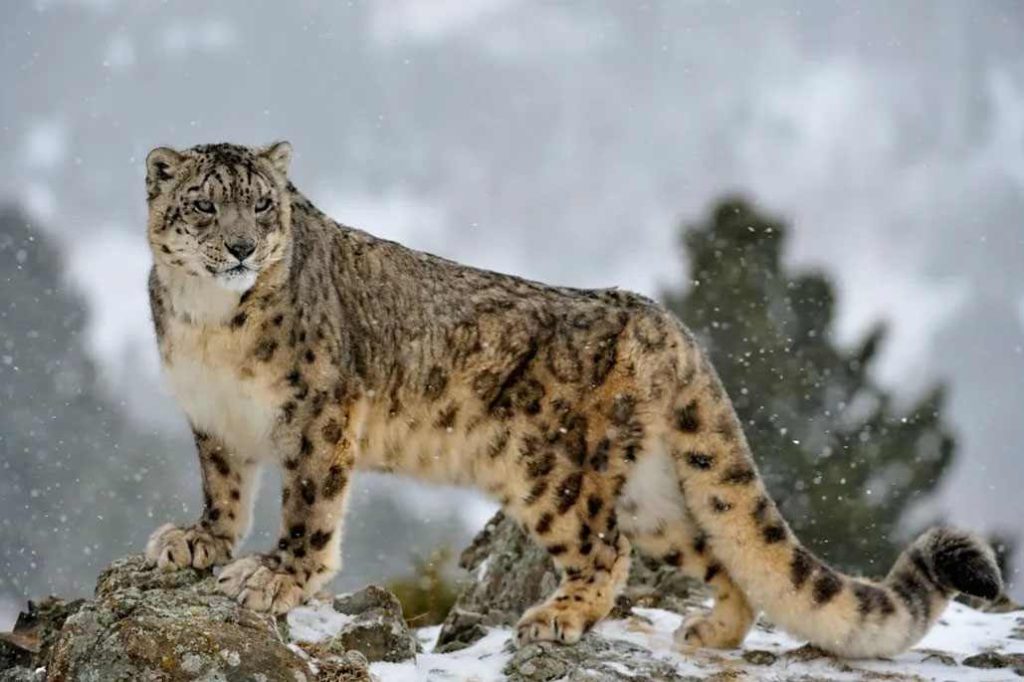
point(482, 662)
point(315, 622)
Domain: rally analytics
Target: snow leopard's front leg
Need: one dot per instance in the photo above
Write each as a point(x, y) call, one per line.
point(229, 481)
point(308, 554)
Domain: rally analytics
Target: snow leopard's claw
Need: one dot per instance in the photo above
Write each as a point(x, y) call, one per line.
point(259, 587)
point(172, 548)
point(551, 622)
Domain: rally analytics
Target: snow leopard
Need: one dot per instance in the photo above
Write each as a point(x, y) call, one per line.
point(593, 417)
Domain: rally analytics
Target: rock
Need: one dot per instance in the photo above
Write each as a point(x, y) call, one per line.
point(758, 657)
point(378, 631)
point(23, 675)
point(461, 629)
point(35, 632)
point(145, 624)
point(593, 658)
point(994, 659)
point(510, 574)
point(372, 598)
point(352, 667)
point(808, 652)
point(28, 646)
point(1001, 604)
point(42, 623)
point(148, 625)
point(15, 652)
point(938, 657)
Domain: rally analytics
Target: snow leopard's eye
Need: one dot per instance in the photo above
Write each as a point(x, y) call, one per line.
point(263, 204)
point(204, 206)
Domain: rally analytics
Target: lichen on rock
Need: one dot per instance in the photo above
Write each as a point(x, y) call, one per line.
point(148, 625)
point(377, 631)
point(593, 658)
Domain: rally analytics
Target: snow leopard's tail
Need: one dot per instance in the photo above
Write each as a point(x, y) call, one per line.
point(842, 614)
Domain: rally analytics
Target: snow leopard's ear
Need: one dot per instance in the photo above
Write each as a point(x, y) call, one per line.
point(279, 154)
point(162, 166)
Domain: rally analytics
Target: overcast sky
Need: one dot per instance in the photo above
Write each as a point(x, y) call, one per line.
point(566, 142)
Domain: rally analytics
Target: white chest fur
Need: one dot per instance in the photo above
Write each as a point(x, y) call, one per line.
point(203, 371)
point(203, 362)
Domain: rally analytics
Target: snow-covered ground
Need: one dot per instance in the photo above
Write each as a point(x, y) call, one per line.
point(480, 663)
point(960, 633)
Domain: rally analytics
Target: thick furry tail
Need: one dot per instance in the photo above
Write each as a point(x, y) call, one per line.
point(845, 615)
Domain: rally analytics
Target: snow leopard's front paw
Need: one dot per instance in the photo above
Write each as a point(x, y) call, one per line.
point(172, 548)
point(259, 583)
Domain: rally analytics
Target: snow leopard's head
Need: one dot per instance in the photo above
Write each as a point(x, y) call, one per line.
point(219, 211)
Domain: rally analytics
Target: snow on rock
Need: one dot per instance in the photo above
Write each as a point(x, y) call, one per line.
point(768, 653)
point(510, 573)
point(315, 622)
point(641, 647)
point(143, 623)
point(484, 661)
point(368, 621)
point(965, 645)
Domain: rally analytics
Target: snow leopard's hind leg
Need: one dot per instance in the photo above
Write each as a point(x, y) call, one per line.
point(653, 515)
point(678, 543)
point(580, 531)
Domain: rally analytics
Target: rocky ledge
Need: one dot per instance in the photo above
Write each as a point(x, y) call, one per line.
point(149, 626)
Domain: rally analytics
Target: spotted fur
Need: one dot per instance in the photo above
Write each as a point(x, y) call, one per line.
point(591, 415)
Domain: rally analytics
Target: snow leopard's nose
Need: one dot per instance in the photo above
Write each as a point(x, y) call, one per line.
point(240, 248)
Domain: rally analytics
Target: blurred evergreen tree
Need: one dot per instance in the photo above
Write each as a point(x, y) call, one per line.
point(430, 592)
point(842, 462)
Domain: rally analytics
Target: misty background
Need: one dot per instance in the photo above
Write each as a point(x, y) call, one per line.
point(564, 142)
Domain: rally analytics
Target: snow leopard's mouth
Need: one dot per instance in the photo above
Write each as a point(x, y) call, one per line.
point(237, 278)
point(237, 271)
